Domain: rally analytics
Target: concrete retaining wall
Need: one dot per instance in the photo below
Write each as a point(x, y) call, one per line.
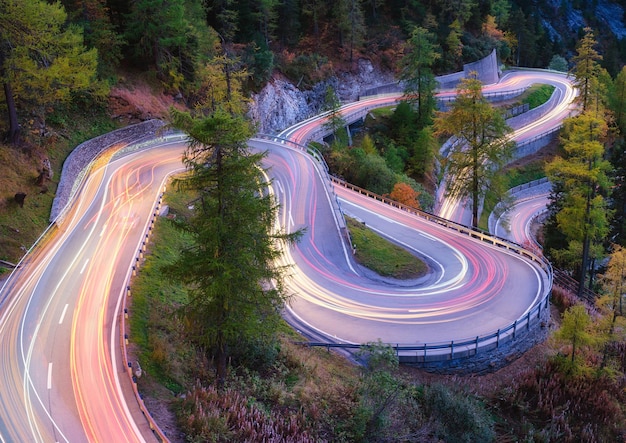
point(486, 68)
point(450, 81)
point(530, 147)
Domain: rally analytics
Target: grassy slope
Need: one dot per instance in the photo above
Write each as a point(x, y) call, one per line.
point(381, 256)
point(19, 169)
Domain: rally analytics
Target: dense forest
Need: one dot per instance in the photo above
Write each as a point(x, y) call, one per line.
point(306, 40)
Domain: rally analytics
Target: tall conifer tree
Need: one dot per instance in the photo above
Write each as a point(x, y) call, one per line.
point(236, 292)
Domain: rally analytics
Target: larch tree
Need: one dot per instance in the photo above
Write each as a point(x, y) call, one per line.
point(405, 194)
point(267, 16)
point(419, 143)
point(612, 302)
point(220, 84)
point(314, 11)
point(501, 10)
point(582, 172)
point(335, 122)
point(223, 16)
point(576, 331)
point(617, 105)
point(172, 36)
point(290, 25)
point(43, 62)
point(454, 46)
point(479, 148)
point(617, 100)
point(235, 287)
point(586, 70)
point(350, 24)
point(94, 17)
point(458, 10)
point(421, 52)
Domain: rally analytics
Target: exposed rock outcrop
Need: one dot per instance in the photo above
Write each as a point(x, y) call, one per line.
point(281, 104)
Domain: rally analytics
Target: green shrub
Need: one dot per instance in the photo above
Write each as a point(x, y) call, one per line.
point(258, 355)
point(538, 95)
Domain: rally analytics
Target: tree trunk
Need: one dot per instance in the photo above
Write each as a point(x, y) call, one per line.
point(587, 238)
point(220, 359)
point(475, 190)
point(13, 136)
point(592, 273)
point(222, 351)
point(584, 265)
point(475, 201)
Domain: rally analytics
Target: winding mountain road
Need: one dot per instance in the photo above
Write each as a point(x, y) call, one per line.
point(62, 376)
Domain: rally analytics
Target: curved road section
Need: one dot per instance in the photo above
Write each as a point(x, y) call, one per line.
point(62, 375)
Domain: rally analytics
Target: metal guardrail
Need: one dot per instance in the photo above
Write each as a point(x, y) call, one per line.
point(313, 152)
point(462, 229)
point(7, 264)
point(528, 185)
point(489, 95)
point(443, 351)
point(124, 336)
point(547, 133)
point(563, 280)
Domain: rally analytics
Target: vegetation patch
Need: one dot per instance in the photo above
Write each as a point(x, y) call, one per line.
point(382, 256)
point(154, 326)
point(537, 95)
point(526, 173)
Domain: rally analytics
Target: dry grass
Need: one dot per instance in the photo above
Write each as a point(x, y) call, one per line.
point(21, 226)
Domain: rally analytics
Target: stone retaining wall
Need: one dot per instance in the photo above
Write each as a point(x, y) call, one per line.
point(77, 163)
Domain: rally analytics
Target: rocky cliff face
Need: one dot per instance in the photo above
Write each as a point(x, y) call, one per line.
point(281, 104)
point(563, 19)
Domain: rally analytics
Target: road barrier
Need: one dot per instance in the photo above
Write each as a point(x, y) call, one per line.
point(125, 334)
point(565, 281)
point(459, 349)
